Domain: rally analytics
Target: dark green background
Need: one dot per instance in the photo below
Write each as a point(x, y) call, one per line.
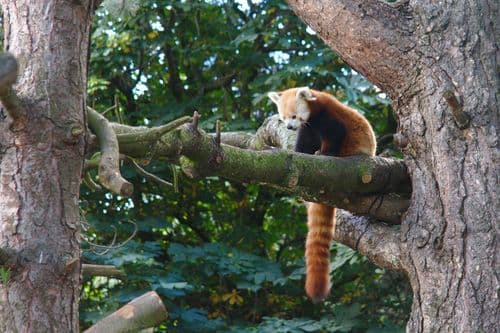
point(223, 256)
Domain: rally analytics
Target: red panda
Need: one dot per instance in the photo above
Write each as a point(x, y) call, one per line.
point(332, 128)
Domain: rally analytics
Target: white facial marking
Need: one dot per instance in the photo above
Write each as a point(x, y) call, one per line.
point(292, 124)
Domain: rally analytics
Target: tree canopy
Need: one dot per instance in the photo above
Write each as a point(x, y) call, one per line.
point(223, 256)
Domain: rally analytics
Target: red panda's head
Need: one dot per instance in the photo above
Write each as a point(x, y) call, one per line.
point(293, 105)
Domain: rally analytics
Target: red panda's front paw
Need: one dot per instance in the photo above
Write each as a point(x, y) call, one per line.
point(317, 152)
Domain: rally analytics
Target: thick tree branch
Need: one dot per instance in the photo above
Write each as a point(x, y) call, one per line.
point(109, 165)
point(378, 242)
point(377, 186)
point(8, 76)
point(143, 312)
point(370, 35)
point(103, 270)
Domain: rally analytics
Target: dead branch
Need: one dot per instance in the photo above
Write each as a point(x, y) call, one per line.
point(143, 312)
point(148, 175)
point(152, 134)
point(103, 270)
point(109, 165)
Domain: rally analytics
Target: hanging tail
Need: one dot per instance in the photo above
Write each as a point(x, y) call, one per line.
point(321, 224)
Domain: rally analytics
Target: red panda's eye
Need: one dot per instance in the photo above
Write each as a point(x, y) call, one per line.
point(293, 117)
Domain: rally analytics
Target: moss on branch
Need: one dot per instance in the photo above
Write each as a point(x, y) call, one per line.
point(373, 186)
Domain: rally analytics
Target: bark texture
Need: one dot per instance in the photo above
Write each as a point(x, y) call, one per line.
point(438, 62)
point(41, 155)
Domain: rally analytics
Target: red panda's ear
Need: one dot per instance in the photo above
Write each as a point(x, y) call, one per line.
point(305, 93)
point(274, 96)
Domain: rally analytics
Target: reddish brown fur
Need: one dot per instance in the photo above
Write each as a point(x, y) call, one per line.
point(359, 139)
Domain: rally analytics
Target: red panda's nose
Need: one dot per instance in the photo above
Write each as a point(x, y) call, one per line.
point(289, 126)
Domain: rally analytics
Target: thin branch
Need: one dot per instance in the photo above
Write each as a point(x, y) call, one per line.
point(148, 175)
point(8, 76)
point(379, 243)
point(217, 132)
point(90, 183)
point(143, 312)
point(103, 270)
point(112, 245)
point(152, 134)
point(109, 166)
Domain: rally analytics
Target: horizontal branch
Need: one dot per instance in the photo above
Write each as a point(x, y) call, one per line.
point(103, 270)
point(378, 242)
point(360, 184)
point(370, 35)
point(8, 76)
point(143, 312)
point(109, 165)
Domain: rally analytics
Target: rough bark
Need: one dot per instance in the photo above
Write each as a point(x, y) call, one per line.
point(438, 62)
point(41, 158)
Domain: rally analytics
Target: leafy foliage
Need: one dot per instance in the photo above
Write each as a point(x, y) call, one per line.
point(225, 257)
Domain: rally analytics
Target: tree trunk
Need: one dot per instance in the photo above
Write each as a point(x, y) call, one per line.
point(41, 155)
point(437, 61)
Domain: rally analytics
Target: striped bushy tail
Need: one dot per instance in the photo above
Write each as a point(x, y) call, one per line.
point(320, 223)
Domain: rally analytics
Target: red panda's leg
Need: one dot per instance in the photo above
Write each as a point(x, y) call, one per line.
point(308, 140)
point(320, 222)
point(325, 147)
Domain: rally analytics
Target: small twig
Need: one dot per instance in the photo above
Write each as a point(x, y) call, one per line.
point(118, 115)
point(175, 175)
point(196, 119)
point(146, 174)
point(109, 166)
point(152, 134)
point(8, 76)
point(103, 270)
point(90, 183)
point(112, 246)
point(108, 109)
point(107, 248)
point(217, 132)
